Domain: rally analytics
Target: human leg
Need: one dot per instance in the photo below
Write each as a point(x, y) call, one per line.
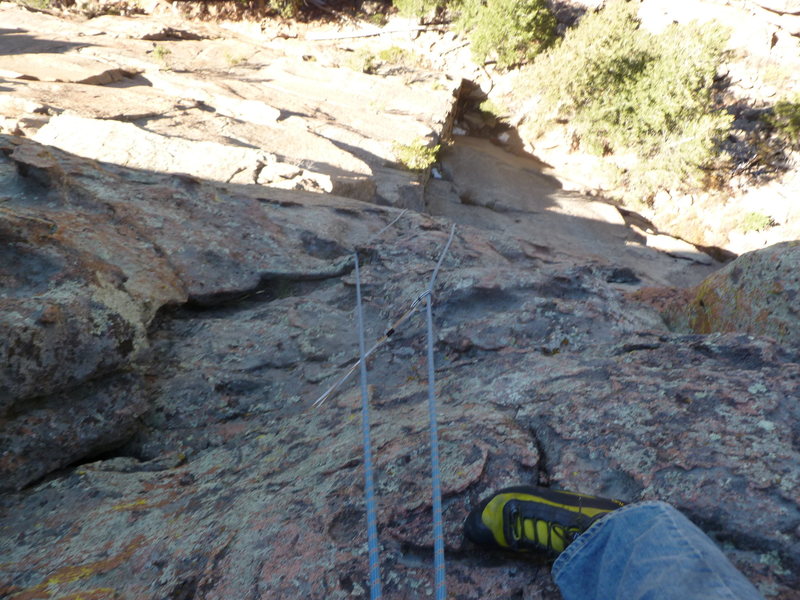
point(648, 551)
point(644, 551)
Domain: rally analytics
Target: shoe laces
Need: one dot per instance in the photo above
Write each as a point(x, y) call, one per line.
point(516, 536)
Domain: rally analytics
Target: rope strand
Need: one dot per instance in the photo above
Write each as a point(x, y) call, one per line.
point(369, 485)
point(438, 527)
point(441, 259)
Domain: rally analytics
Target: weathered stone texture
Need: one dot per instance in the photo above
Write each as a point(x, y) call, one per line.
point(231, 485)
point(164, 337)
point(759, 293)
point(68, 427)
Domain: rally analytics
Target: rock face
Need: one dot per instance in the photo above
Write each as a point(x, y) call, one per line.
point(227, 482)
point(490, 188)
point(88, 268)
point(286, 113)
point(759, 293)
point(762, 67)
point(166, 334)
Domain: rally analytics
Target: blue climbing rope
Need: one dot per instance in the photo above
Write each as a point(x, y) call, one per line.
point(369, 485)
point(440, 583)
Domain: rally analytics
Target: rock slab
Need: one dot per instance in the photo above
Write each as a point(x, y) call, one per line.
point(229, 484)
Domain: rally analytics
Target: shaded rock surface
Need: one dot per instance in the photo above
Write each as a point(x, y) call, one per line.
point(166, 335)
point(233, 485)
point(66, 427)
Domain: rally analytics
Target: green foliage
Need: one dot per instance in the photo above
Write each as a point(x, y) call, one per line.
point(468, 13)
point(627, 90)
point(363, 61)
point(286, 8)
point(41, 4)
point(161, 52)
point(417, 8)
point(494, 108)
point(512, 31)
point(397, 56)
point(366, 61)
point(785, 119)
point(755, 221)
point(416, 156)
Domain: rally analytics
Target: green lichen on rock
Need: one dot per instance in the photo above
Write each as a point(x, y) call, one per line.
point(757, 294)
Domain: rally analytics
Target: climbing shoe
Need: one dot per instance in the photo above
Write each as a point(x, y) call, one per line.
point(524, 518)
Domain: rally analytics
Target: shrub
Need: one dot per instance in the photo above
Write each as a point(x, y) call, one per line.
point(785, 119)
point(512, 31)
point(417, 8)
point(398, 56)
point(416, 156)
point(288, 9)
point(755, 221)
point(363, 61)
point(627, 90)
point(161, 52)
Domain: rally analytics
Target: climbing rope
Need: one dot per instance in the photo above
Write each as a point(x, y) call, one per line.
point(369, 485)
point(318, 402)
point(392, 328)
point(438, 529)
point(429, 291)
point(389, 332)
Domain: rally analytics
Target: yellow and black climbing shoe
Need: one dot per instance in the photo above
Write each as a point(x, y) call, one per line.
point(527, 518)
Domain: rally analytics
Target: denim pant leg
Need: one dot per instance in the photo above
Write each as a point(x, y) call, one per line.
point(648, 551)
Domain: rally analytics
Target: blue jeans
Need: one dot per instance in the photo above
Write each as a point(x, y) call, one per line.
point(648, 551)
